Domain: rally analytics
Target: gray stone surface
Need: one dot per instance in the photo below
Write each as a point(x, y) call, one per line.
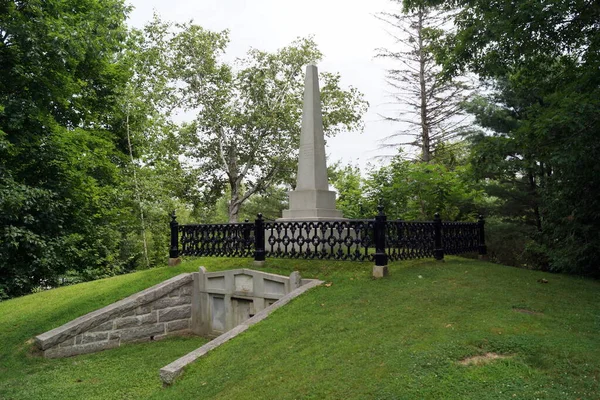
point(126, 322)
point(179, 325)
point(174, 313)
point(295, 280)
point(68, 342)
point(171, 302)
point(133, 312)
point(90, 337)
point(128, 313)
point(312, 199)
point(139, 332)
point(185, 290)
point(59, 352)
point(138, 320)
point(107, 326)
point(143, 309)
point(225, 298)
point(380, 271)
point(160, 290)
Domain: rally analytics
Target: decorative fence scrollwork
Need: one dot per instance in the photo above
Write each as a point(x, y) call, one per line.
point(354, 240)
point(460, 237)
point(226, 240)
point(409, 240)
point(333, 240)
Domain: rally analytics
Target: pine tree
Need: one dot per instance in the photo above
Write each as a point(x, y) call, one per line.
point(430, 111)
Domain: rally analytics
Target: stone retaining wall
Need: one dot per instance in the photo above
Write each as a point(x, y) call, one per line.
point(203, 303)
point(152, 314)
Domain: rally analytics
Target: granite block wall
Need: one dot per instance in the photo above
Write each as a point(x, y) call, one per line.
point(152, 314)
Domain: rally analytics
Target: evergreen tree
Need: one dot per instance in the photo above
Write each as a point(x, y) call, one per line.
point(429, 104)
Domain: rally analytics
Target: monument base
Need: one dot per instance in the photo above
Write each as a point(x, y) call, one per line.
point(380, 271)
point(311, 205)
point(318, 214)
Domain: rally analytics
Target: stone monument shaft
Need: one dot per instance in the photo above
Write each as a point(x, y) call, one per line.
point(312, 199)
point(312, 166)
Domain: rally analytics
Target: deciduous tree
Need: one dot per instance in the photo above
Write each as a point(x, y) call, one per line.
point(246, 132)
point(60, 149)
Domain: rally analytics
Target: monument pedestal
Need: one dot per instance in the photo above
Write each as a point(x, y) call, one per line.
point(311, 205)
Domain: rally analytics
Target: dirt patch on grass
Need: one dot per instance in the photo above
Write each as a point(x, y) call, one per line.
point(526, 311)
point(484, 359)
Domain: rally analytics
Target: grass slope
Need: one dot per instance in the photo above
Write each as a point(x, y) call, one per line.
point(397, 338)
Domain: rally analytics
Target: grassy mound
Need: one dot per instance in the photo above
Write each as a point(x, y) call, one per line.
point(462, 329)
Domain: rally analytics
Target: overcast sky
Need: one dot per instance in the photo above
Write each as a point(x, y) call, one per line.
point(346, 32)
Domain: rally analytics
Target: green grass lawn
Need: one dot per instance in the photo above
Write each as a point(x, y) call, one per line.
point(402, 337)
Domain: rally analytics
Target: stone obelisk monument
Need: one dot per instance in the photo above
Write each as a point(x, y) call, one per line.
point(312, 200)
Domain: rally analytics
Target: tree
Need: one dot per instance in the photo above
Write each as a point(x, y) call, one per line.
point(246, 132)
point(348, 183)
point(416, 191)
point(544, 57)
point(60, 148)
point(153, 179)
point(430, 104)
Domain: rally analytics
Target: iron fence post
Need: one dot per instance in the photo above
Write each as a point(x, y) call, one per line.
point(174, 250)
point(246, 231)
point(482, 246)
point(259, 241)
point(380, 268)
point(438, 250)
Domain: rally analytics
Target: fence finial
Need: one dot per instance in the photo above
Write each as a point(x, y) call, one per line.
point(380, 207)
point(259, 241)
point(438, 246)
point(482, 246)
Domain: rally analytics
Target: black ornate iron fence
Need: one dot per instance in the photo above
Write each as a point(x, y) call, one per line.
point(229, 240)
point(375, 239)
point(336, 240)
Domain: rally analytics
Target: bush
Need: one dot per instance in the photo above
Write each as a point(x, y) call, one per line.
point(510, 243)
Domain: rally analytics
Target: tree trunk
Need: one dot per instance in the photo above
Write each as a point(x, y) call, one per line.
point(235, 202)
point(234, 208)
point(137, 194)
point(534, 199)
point(425, 140)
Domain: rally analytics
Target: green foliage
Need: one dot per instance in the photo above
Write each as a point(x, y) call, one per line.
point(270, 204)
point(60, 149)
point(154, 181)
point(348, 182)
point(412, 190)
point(248, 119)
point(542, 118)
point(416, 191)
